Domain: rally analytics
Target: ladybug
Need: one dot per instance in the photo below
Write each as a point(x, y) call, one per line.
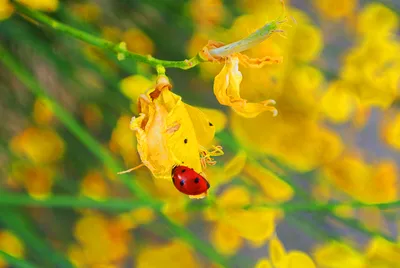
point(189, 182)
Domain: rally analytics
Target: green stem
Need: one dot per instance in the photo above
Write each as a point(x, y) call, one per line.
point(15, 262)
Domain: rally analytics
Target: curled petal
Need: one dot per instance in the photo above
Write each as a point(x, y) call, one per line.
point(246, 61)
point(227, 91)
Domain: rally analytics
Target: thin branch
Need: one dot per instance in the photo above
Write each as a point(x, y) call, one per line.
point(122, 53)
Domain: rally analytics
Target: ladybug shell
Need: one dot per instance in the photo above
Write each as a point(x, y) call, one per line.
point(188, 181)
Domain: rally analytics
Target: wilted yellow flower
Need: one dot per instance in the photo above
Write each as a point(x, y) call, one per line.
point(335, 9)
point(6, 9)
point(39, 145)
point(337, 255)
point(12, 245)
point(255, 225)
point(101, 240)
point(278, 257)
point(166, 133)
point(43, 5)
point(174, 254)
point(227, 87)
point(94, 186)
point(138, 42)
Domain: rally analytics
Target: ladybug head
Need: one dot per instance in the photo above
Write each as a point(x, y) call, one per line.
point(189, 182)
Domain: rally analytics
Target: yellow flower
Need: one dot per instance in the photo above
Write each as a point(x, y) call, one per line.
point(138, 42)
point(233, 223)
point(166, 133)
point(174, 254)
point(11, 245)
point(376, 20)
point(92, 116)
point(307, 43)
point(43, 5)
point(94, 186)
point(89, 12)
point(134, 85)
point(278, 257)
point(39, 145)
point(132, 219)
point(101, 240)
point(391, 131)
point(42, 112)
point(335, 9)
point(382, 253)
point(6, 9)
point(227, 89)
point(207, 13)
point(371, 184)
point(337, 255)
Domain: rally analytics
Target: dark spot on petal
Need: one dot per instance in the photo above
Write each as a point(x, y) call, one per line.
point(210, 124)
point(181, 182)
point(196, 180)
point(185, 141)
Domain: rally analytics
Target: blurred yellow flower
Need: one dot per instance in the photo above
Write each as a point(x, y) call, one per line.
point(391, 131)
point(307, 43)
point(370, 184)
point(275, 189)
point(101, 240)
point(89, 12)
point(94, 186)
point(6, 9)
point(39, 145)
point(12, 245)
point(134, 218)
point(382, 253)
point(92, 116)
point(278, 257)
point(255, 225)
point(174, 254)
point(42, 5)
point(337, 255)
point(338, 103)
point(42, 111)
point(207, 13)
point(134, 85)
point(138, 42)
point(123, 142)
point(377, 20)
point(335, 9)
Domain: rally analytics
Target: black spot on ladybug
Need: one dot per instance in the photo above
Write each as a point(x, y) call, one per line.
point(183, 170)
point(185, 141)
point(210, 124)
point(208, 185)
point(173, 179)
point(181, 182)
point(197, 180)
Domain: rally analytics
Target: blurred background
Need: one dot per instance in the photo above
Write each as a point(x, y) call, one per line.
point(65, 108)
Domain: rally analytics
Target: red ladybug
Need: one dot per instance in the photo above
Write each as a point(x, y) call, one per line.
point(189, 182)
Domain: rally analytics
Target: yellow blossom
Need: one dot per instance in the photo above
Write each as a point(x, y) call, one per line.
point(89, 12)
point(39, 145)
point(42, 112)
point(382, 253)
point(166, 134)
point(391, 131)
point(138, 42)
point(92, 116)
point(278, 257)
point(376, 19)
point(43, 5)
point(92, 228)
point(335, 9)
point(132, 219)
point(307, 43)
point(12, 245)
point(6, 9)
point(207, 13)
point(94, 186)
point(227, 91)
point(337, 255)
point(175, 254)
point(38, 181)
point(255, 225)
